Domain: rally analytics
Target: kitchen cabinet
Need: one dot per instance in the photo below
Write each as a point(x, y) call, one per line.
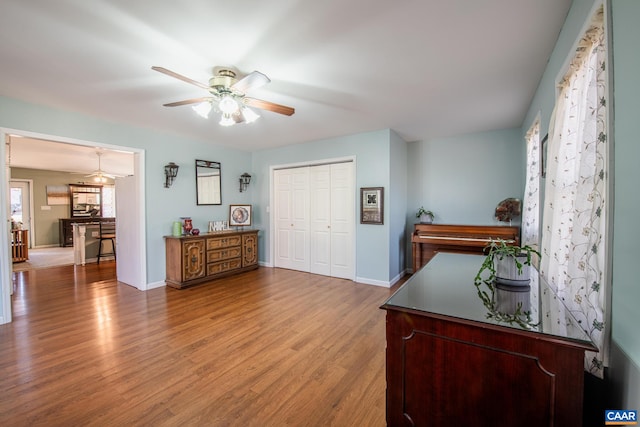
point(66, 228)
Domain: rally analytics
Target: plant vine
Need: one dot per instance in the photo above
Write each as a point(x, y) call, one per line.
point(500, 249)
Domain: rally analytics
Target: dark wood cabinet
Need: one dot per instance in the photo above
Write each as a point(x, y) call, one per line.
point(195, 259)
point(66, 228)
point(447, 364)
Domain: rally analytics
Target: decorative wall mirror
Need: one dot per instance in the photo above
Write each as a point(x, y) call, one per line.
point(86, 201)
point(208, 183)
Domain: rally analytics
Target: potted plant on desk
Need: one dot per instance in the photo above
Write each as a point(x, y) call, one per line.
point(508, 264)
point(506, 267)
point(426, 217)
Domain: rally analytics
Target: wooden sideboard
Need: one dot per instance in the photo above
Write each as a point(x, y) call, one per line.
point(448, 364)
point(66, 228)
point(196, 259)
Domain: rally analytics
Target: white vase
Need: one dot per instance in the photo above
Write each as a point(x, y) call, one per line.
point(507, 271)
point(425, 219)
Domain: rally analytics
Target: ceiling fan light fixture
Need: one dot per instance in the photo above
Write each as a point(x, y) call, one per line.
point(227, 96)
point(250, 116)
point(228, 105)
point(226, 120)
point(203, 109)
point(99, 176)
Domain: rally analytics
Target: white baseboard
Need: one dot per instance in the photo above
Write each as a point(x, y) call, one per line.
point(373, 282)
point(363, 280)
point(398, 277)
point(155, 285)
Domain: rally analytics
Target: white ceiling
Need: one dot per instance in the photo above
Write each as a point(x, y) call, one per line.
point(424, 68)
point(64, 157)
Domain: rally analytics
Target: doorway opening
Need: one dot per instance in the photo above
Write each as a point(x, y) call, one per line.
point(134, 188)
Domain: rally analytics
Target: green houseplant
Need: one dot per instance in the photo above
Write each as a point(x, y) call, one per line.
point(425, 216)
point(505, 265)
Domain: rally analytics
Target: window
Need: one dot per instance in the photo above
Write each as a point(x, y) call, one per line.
point(574, 252)
point(109, 201)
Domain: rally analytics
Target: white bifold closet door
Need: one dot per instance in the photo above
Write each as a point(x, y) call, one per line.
point(292, 218)
point(315, 220)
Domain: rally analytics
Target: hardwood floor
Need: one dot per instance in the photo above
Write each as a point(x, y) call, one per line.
point(270, 347)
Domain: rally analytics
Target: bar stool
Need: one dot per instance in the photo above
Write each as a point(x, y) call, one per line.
point(107, 232)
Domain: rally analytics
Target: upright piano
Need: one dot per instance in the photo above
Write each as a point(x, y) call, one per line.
point(429, 239)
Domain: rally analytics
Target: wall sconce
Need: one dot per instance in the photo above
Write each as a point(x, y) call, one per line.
point(245, 179)
point(170, 173)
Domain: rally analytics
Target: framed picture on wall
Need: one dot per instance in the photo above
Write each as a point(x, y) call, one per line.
point(371, 205)
point(57, 195)
point(239, 215)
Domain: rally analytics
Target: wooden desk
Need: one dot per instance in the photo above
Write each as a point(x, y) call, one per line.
point(447, 364)
point(429, 239)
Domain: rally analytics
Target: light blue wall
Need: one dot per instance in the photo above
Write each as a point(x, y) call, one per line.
point(374, 250)
point(163, 206)
point(626, 235)
point(397, 201)
point(624, 367)
point(371, 151)
point(545, 96)
point(462, 179)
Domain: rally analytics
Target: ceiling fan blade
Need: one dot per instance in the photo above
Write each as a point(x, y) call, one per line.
point(180, 77)
point(251, 81)
point(269, 106)
point(189, 101)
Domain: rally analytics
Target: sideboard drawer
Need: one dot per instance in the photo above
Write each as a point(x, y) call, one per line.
point(222, 254)
point(223, 242)
point(219, 267)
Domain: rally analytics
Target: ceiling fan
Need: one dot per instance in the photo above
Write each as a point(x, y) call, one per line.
point(228, 96)
point(99, 175)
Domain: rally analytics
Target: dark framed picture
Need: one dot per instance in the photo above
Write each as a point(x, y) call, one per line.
point(372, 205)
point(543, 156)
point(239, 215)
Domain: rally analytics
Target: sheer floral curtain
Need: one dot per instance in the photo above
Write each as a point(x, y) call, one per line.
point(573, 232)
point(531, 205)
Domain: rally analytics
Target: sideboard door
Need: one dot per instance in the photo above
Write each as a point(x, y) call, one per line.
point(193, 262)
point(249, 249)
